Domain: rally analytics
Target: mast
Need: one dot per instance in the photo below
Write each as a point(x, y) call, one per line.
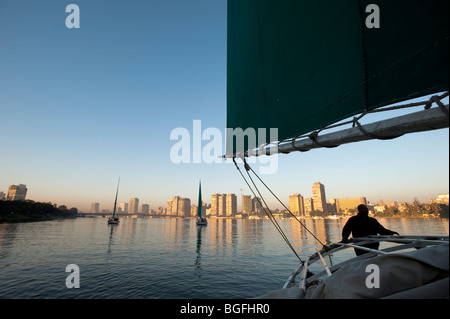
point(199, 209)
point(115, 201)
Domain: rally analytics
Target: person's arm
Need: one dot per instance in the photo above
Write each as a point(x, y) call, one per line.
point(383, 231)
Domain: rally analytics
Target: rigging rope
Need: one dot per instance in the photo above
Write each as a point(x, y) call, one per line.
point(303, 225)
point(266, 208)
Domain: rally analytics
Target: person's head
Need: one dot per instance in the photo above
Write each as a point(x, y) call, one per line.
point(362, 209)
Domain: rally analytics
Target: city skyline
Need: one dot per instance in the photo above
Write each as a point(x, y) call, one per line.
point(227, 204)
point(81, 107)
point(306, 203)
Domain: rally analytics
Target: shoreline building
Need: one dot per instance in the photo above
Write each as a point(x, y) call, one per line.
point(222, 205)
point(297, 205)
point(349, 203)
point(319, 198)
point(440, 199)
point(256, 206)
point(95, 208)
point(172, 206)
point(184, 207)
point(123, 208)
point(309, 206)
point(246, 204)
point(145, 209)
point(214, 211)
point(17, 192)
point(134, 206)
point(231, 205)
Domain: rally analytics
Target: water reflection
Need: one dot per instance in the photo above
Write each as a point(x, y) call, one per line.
point(110, 242)
point(198, 256)
point(167, 257)
point(7, 237)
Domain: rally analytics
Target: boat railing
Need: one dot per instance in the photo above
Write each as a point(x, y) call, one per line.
point(405, 243)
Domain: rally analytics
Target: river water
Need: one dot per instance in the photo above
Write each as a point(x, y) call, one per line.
point(165, 258)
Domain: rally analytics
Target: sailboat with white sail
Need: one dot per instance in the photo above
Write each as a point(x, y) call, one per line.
point(114, 220)
point(306, 67)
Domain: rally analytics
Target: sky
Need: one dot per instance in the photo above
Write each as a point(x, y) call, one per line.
point(81, 107)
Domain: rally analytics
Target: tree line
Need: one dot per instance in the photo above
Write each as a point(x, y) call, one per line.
point(29, 211)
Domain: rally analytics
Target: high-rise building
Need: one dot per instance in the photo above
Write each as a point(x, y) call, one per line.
point(123, 207)
point(169, 207)
point(256, 205)
point(309, 206)
point(134, 206)
point(297, 205)
point(172, 206)
point(95, 208)
point(319, 198)
point(184, 207)
point(194, 210)
point(246, 204)
point(145, 209)
point(231, 205)
point(17, 192)
point(215, 204)
point(222, 205)
point(2, 196)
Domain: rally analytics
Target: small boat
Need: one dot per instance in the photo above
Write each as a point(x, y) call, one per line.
point(201, 221)
point(114, 220)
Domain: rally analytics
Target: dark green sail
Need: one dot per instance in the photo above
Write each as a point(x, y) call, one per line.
point(299, 66)
point(200, 203)
point(115, 201)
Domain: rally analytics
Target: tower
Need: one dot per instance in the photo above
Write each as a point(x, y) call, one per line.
point(319, 199)
point(134, 206)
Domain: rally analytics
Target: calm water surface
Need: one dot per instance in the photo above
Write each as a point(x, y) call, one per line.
point(164, 258)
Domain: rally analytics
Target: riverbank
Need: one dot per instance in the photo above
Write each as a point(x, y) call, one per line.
point(30, 211)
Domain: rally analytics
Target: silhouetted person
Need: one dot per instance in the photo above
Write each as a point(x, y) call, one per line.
point(362, 225)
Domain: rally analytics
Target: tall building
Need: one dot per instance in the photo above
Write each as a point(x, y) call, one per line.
point(2, 196)
point(169, 207)
point(246, 204)
point(222, 205)
point(134, 206)
point(123, 207)
point(95, 208)
point(309, 206)
point(231, 205)
point(319, 199)
point(172, 206)
point(145, 209)
point(256, 206)
point(215, 204)
point(297, 205)
point(17, 192)
point(184, 207)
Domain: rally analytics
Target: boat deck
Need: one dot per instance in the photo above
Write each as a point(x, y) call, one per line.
point(397, 244)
